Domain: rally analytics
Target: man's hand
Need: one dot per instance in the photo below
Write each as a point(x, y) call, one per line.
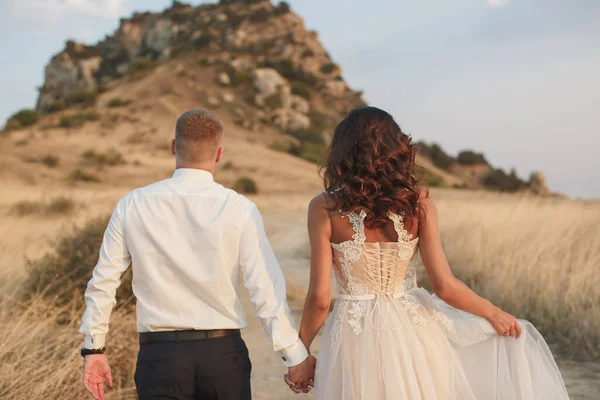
point(300, 378)
point(95, 369)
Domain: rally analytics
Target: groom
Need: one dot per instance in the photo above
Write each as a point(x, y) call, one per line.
point(191, 242)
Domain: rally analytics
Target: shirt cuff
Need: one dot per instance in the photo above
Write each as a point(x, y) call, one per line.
point(294, 354)
point(94, 341)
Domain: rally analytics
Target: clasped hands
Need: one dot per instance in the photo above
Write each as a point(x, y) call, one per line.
point(300, 378)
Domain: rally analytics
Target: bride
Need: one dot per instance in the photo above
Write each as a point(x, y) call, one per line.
point(386, 338)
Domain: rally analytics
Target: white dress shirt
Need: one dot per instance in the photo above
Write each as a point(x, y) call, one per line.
point(190, 241)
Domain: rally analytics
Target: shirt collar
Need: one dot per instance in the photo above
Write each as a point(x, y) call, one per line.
point(193, 173)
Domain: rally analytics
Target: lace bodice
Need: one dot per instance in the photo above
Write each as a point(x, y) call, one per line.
point(382, 268)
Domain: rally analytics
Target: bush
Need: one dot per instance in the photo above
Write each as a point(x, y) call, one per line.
point(76, 120)
point(85, 98)
point(59, 205)
point(245, 185)
point(260, 15)
point(436, 154)
point(312, 152)
point(49, 160)
point(227, 166)
point(499, 180)
point(302, 89)
point(240, 77)
point(288, 70)
point(432, 179)
point(468, 157)
point(58, 105)
point(282, 8)
point(21, 118)
point(307, 53)
point(83, 176)
point(62, 275)
point(278, 146)
point(140, 64)
point(328, 68)
point(118, 102)
point(110, 158)
point(201, 41)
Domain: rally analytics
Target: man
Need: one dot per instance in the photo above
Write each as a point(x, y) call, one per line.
point(190, 241)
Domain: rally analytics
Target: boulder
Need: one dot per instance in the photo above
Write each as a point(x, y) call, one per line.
point(158, 37)
point(267, 81)
point(224, 79)
point(538, 184)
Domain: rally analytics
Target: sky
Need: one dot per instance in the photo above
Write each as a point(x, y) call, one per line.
point(517, 80)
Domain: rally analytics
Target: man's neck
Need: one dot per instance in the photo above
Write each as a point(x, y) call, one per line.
point(209, 167)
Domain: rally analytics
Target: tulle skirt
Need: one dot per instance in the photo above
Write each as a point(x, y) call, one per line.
point(418, 347)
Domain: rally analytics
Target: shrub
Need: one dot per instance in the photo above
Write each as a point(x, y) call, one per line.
point(22, 142)
point(328, 68)
point(62, 275)
point(118, 102)
point(110, 158)
point(278, 146)
point(245, 185)
point(140, 64)
point(499, 180)
point(436, 154)
point(85, 98)
point(282, 8)
point(312, 152)
point(76, 120)
point(49, 160)
point(58, 105)
point(201, 41)
point(21, 118)
point(432, 179)
point(302, 89)
point(260, 15)
point(307, 53)
point(468, 157)
point(227, 166)
point(83, 176)
point(59, 205)
point(240, 77)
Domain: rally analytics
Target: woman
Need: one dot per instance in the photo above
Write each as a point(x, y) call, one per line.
point(386, 338)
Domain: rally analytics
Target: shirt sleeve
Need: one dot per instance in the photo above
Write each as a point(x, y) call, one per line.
point(265, 281)
point(100, 295)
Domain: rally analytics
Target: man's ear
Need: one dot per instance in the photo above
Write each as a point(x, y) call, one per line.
point(173, 146)
point(219, 154)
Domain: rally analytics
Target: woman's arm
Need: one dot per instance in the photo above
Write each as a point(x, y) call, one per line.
point(450, 289)
point(318, 298)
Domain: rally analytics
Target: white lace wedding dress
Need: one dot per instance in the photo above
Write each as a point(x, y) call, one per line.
point(388, 339)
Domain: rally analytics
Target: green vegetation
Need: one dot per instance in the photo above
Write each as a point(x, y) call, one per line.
point(57, 206)
point(468, 157)
point(436, 154)
point(288, 70)
point(80, 175)
point(260, 15)
point(499, 180)
point(201, 41)
point(118, 102)
point(85, 98)
point(110, 158)
point(273, 101)
point(302, 89)
point(239, 77)
point(328, 68)
point(77, 120)
point(21, 118)
point(282, 8)
point(58, 105)
point(245, 185)
point(307, 53)
point(227, 166)
point(278, 146)
point(50, 160)
point(432, 179)
point(62, 275)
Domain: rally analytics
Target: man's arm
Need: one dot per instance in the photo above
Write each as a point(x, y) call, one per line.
point(100, 298)
point(265, 281)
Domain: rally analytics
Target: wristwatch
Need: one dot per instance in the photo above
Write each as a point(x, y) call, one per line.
point(86, 352)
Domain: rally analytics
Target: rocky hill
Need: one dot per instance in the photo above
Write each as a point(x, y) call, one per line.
point(252, 61)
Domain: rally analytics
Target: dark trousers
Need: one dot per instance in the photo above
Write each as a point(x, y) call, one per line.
point(212, 369)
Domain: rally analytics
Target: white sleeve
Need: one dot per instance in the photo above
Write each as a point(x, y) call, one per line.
point(265, 281)
point(100, 295)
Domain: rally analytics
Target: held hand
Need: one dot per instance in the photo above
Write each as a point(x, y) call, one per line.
point(504, 323)
point(95, 369)
point(300, 378)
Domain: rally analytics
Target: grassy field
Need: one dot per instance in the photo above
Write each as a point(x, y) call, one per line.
point(535, 257)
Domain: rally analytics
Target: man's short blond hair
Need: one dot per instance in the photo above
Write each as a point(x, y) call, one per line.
point(198, 135)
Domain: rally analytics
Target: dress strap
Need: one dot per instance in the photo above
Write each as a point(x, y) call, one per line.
point(357, 221)
point(398, 219)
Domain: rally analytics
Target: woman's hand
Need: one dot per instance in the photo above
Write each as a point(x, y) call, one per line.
point(504, 323)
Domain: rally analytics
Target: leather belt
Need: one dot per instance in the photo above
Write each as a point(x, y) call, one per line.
point(186, 336)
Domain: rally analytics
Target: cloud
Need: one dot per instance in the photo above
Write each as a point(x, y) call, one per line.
point(497, 3)
point(53, 10)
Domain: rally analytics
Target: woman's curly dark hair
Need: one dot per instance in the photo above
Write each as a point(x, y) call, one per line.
point(371, 166)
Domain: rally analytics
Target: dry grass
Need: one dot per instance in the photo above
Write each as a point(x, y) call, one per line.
point(54, 207)
point(537, 258)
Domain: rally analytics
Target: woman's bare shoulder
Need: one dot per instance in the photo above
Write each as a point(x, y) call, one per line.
point(322, 202)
